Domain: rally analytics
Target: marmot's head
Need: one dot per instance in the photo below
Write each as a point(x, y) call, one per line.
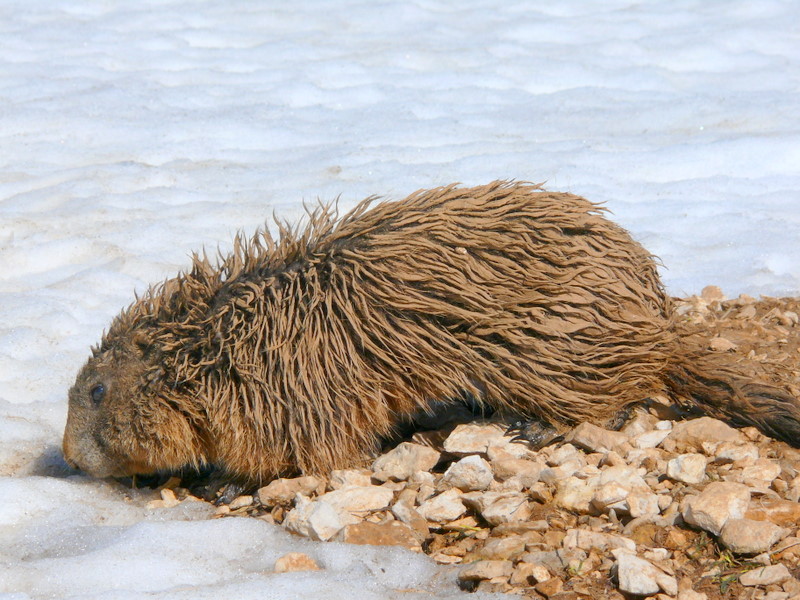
point(123, 418)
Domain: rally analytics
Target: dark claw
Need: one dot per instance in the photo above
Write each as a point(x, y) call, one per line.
point(535, 432)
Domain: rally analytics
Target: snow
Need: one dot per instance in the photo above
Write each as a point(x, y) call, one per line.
point(134, 133)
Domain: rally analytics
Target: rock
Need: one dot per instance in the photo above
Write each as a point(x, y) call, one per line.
point(611, 495)
point(507, 548)
point(766, 575)
point(639, 504)
point(688, 468)
point(469, 474)
point(391, 533)
point(604, 542)
point(316, 520)
point(595, 439)
point(283, 491)
point(640, 577)
point(728, 452)
point(690, 594)
point(358, 500)
point(716, 504)
point(650, 439)
point(404, 512)
point(721, 344)
point(486, 569)
point(761, 473)
point(403, 461)
point(349, 477)
point(745, 536)
point(445, 507)
point(692, 434)
point(776, 510)
point(526, 574)
point(712, 293)
point(507, 510)
point(549, 587)
point(475, 438)
point(575, 494)
point(241, 502)
point(295, 561)
point(553, 475)
point(526, 471)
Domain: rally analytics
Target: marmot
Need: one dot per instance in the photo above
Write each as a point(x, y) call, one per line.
point(299, 355)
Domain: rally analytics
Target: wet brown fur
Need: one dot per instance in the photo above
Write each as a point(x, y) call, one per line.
point(302, 353)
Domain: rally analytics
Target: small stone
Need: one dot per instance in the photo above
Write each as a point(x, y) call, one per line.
point(728, 452)
point(650, 439)
point(316, 520)
point(391, 533)
point(640, 504)
point(552, 475)
point(721, 344)
point(688, 468)
point(776, 510)
point(744, 536)
point(349, 477)
point(475, 438)
point(404, 512)
point(507, 510)
point(507, 548)
point(283, 491)
point(526, 574)
point(604, 542)
point(445, 507)
point(486, 569)
point(403, 461)
point(690, 594)
point(692, 434)
point(712, 293)
point(595, 439)
point(169, 499)
point(761, 473)
point(295, 561)
point(640, 577)
point(766, 575)
point(575, 494)
point(471, 473)
point(358, 500)
point(549, 587)
point(716, 504)
point(525, 471)
point(241, 502)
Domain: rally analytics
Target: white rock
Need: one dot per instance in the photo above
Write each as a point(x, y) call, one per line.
point(443, 508)
point(766, 575)
point(625, 476)
point(688, 468)
point(469, 474)
point(349, 477)
point(596, 439)
point(475, 438)
point(761, 474)
point(728, 452)
point(563, 454)
point(512, 507)
point(575, 494)
point(745, 536)
point(358, 499)
point(716, 504)
point(403, 461)
point(639, 504)
point(640, 577)
point(610, 495)
point(587, 540)
point(705, 430)
point(526, 471)
point(316, 520)
point(552, 475)
point(283, 491)
point(650, 439)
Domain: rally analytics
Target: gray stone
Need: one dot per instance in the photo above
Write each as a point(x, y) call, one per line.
point(745, 536)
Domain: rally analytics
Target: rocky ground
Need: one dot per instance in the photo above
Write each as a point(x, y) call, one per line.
point(664, 508)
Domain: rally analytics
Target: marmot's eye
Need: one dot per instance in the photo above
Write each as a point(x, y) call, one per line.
point(98, 392)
